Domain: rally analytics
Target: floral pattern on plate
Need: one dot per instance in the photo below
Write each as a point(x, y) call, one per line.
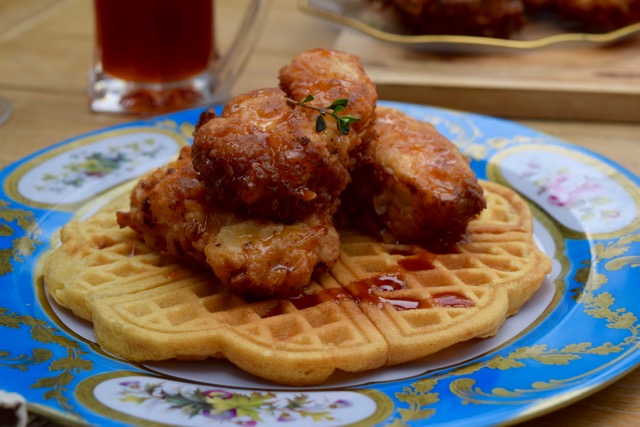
point(91, 165)
point(172, 402)
point(582, 193)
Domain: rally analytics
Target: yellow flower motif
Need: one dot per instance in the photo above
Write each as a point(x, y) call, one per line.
point(498, 143)
point(476, 151)
point(187, 129)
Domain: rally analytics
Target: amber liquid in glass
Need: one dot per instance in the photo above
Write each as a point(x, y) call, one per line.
point(155, 41)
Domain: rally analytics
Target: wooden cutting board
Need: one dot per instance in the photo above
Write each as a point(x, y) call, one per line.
point(585, 82)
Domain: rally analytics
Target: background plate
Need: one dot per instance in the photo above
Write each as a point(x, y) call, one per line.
point(384, 25)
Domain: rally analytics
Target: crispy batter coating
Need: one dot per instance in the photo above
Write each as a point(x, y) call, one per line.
point(487, 18)
point(264, 157)
point(170, 209)
point(260, 258)
point(535, 6)
point(414, 185)
point(329, 75)
point(173, 211)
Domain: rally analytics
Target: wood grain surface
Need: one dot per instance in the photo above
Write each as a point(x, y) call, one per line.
point(46, 49)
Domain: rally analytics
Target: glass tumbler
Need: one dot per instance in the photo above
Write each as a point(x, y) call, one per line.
point(157, 56)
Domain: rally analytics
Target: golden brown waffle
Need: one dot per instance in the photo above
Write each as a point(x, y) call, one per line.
point(380, 305)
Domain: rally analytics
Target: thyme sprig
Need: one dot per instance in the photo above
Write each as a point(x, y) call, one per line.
point(342, 121)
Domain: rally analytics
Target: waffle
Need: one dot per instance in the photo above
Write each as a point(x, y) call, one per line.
point(379, 305)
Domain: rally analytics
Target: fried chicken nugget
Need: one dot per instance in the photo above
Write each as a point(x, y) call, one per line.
point(414, 185)
point(174, 213)
point(329, 75)
point(170, 209)
point(264, 157)
point(260, 258)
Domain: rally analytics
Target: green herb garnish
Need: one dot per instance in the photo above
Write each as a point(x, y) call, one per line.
point(343, 122)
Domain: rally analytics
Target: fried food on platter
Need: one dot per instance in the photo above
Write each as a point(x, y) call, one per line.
point(504, 18)
point(486, 18)
point(600, 15)
point(264, 157)
point(413, 185)
point(174, 213)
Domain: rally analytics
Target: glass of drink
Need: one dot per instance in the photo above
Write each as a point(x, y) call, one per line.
point(156, 56)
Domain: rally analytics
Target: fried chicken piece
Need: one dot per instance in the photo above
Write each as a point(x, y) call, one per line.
point(600, 15)
point(205, 116)
point(536, 6)
point(414, 185)
point(260, 258)
point(253, 197)
point(169, 208)
point(263, 157)
point(174, 212)
point(329, 75)
point(486, 18)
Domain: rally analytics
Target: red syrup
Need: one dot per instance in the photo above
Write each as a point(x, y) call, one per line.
point(372, 290)
point(368, 291)
point(419, 261)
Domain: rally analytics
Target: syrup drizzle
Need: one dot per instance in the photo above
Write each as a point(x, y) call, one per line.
point(368, 291)
point(373, 289)
point(419, 261)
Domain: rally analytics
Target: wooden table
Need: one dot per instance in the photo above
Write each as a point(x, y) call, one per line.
point(45, 51)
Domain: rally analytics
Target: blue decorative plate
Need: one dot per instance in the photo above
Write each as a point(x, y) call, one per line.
point(578, 334)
